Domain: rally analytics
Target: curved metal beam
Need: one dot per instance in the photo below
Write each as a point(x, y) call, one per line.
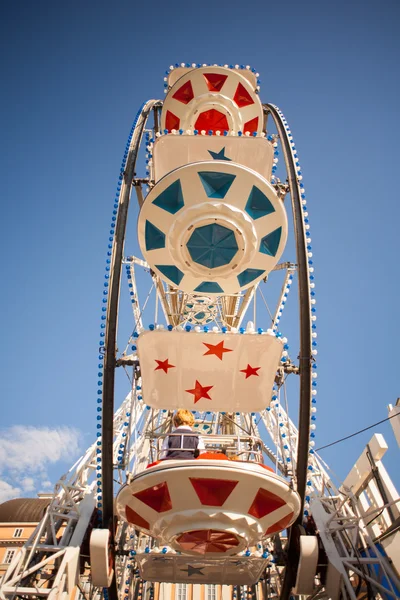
point(305, 358)
point(111, 328)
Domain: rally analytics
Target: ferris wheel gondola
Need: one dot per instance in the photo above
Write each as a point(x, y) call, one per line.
point(213, 98)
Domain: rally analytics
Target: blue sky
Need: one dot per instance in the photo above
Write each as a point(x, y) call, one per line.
point(74, 75)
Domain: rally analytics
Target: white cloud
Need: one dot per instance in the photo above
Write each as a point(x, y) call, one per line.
point(27, 452)
point(27, 449)
point(8, 492)
point(28, 484)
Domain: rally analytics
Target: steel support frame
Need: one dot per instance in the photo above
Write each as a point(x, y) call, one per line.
point(342, 532)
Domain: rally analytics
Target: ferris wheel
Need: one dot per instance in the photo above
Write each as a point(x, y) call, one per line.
point(212, 227)
point(222, 225)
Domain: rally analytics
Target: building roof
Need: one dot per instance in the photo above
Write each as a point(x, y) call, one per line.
point(23, 510)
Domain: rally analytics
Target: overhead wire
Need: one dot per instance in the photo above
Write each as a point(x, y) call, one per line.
point(347, 437)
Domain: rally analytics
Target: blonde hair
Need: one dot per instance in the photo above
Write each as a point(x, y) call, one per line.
point(183, 417)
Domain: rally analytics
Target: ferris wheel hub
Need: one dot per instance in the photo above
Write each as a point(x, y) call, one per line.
point(199, 310)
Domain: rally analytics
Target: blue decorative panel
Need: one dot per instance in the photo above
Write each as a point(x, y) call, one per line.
point(171, 199)
point(209, 286)
point(219, 155)
point(212, 246)
point(249, 275)
point(154, 237)
point(258, 204)
point(270, 243)
point(216, 184)
point(172, 272)
point(200, 316)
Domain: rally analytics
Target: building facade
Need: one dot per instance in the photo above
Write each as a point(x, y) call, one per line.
point(18, 520)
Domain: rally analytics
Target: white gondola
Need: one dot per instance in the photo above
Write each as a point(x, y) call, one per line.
point(232, 370)
point(212, 227)
point(212, 98)
point(208, 507)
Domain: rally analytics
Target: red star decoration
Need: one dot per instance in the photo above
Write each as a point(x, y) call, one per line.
point(217, 349)
point(200, 391)
point(163, 365)
point(250, 371)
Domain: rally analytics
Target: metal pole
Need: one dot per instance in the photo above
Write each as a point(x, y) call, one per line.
point(381, 488)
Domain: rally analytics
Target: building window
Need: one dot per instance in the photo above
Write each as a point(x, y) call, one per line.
point(211, 592)
point(18, 532)
point(181, 591)
point(9, 556)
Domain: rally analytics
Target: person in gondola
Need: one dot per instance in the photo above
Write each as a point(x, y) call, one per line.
point(188, 445)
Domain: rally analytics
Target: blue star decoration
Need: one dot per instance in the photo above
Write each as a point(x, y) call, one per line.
point(219, 155)
point(193, 570)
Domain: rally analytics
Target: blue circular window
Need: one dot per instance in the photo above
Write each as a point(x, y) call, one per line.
point(212, 246)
